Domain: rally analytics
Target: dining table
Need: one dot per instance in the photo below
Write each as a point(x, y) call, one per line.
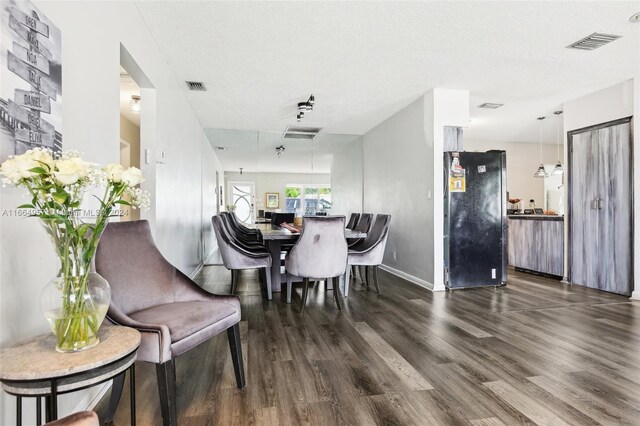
point(274, 236)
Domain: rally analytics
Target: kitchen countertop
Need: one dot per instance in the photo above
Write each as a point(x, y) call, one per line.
point(536, 217)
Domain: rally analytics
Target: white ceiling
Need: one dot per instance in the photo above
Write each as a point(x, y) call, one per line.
point(256, 151)
point(365, 61)
point(128, 87)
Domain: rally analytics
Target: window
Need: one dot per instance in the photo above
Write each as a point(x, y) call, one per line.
point(308, 199)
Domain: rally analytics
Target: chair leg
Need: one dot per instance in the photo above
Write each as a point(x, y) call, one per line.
point(336, 292)
point(116, 393)
point(166, 374)
point(347, 280)
point(233, 333)
point(305, 292)
point(375, 278)
point(289, 282)
point(234, 280)
point(366, 275)
point(267, 274)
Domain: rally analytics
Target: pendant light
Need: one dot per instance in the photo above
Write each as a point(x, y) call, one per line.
point(558, 169)
point(541, 172)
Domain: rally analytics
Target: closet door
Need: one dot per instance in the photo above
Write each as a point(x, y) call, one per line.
point(615, 208)
point(585, 241)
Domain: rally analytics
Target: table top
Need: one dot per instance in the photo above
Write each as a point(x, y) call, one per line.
point(36, 358)
point(552, 217)
point(270, 232)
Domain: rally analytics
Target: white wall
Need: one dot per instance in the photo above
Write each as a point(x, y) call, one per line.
point(398, 167)
point(523, 160)
point(619, 101)
point(272, 182)
point(92, 33)
point(346, 179)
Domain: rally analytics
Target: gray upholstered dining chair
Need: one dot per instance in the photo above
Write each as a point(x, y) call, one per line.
point(353, 220)
point(248, 241)
point(237, 256)
point(319, 253)
point(370, 251)
point(172, 313)
point(240, 228)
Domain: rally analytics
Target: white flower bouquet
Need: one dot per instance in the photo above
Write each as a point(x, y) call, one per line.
point(57, 185)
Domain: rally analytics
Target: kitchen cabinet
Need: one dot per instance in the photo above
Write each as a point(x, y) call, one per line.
point(536, 244)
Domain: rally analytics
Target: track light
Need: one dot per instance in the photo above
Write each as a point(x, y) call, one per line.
point(279, 150)
point(305, 107)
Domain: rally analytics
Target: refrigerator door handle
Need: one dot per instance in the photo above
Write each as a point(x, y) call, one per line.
point(600, 203)
point(594, 204)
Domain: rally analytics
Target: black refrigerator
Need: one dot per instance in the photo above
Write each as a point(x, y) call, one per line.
point(475, 219)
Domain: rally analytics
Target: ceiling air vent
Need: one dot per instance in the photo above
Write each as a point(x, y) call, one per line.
point(489, 105)
point(197, 86)
point(593, 41)
point(292, 132)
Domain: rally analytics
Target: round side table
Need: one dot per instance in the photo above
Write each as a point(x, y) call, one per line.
point(33, 368)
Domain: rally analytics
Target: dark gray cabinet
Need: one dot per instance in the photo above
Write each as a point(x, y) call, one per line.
point(601, 207)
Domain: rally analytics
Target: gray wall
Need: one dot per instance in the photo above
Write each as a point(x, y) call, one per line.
point(346, 179)
point(91, 121)
point(398, 166)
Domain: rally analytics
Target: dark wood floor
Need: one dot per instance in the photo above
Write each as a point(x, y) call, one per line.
point(534, 352)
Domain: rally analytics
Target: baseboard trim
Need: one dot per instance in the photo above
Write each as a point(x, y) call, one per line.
point(635, 295)
point(408, 277)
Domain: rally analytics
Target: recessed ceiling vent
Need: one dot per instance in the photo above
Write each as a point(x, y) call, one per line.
point(593, 41)
point(292, 132)
point(197, 86)
point(489, 105)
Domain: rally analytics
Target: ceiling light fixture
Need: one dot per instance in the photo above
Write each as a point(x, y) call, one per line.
point(241, 170)
point(134, 103)
point(635, 18)
point(279, 150)
point(305, 107)
point(558, 169)
point(541, 172)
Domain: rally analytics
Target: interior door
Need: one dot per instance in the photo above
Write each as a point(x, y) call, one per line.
point(615, 208)
point(601, 225)
point(242, 196)
point(585, 241)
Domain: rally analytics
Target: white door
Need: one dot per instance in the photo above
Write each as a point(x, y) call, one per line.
point(242, 196)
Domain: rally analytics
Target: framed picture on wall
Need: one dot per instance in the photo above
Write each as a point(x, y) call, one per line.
point(272, 200)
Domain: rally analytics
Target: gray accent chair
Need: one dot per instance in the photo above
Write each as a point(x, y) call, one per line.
point(319, 253)
point(83, 418)
point(237, 256)
point(353, 220)
point(370, 251)
point(172, 313)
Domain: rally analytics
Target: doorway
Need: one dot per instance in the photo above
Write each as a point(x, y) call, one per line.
point(129, 132)
point(241, 198)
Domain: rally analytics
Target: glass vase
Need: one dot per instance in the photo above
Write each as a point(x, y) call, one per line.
point(75, 304)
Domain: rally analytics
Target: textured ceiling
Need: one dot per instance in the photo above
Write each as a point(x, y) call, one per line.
point(365, 61)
